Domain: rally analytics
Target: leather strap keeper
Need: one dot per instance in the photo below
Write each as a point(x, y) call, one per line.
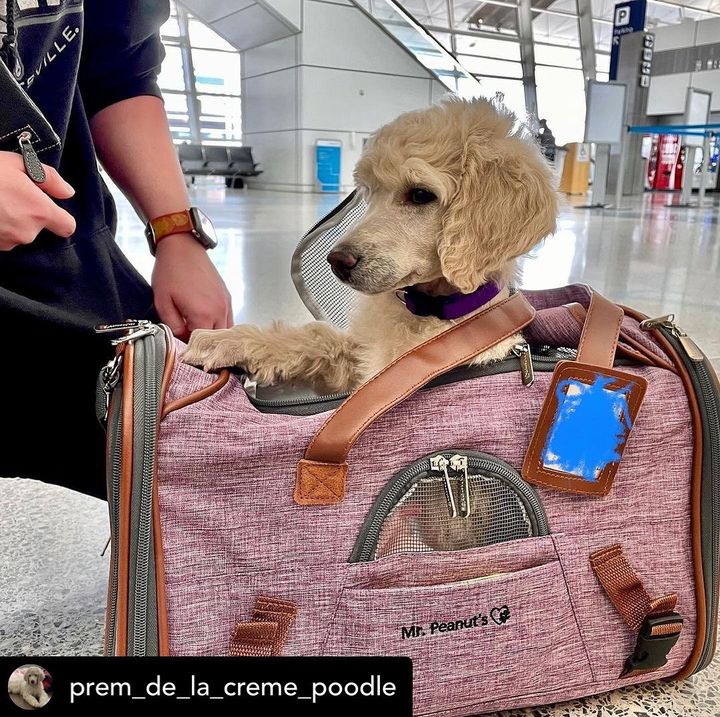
point(320, 483)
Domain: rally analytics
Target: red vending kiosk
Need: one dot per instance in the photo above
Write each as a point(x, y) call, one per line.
point(665, 163)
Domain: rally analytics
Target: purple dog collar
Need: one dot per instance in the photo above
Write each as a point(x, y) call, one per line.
point(447, 307)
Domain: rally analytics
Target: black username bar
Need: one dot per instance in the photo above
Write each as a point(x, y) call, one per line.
point(222, 685)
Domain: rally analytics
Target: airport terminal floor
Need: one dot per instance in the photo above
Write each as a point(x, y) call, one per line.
point(654, 257)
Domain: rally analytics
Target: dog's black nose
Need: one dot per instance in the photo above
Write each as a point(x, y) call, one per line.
point(342, 263)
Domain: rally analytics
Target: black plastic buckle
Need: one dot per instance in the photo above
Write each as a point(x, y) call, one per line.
point(651, 651)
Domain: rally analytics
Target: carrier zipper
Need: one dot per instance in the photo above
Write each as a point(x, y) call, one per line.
point(460, 465)
point(33, 165)
point(402, 481)
point(110, 376)
point(536, 362)
point(707, 396)
point(130, 324)
point(527, 372)
point(440, 464)
point(114, 491)
point(148, 367)
point(668, 322)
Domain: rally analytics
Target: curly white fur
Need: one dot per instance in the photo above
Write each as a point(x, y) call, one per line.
point(29, 686)
point(495, 201)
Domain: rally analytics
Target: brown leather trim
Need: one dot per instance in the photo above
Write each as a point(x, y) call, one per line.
point(113, 548)
point(627, 345)
point(203, 393)
point(600, 333)
point(170, 359)
point(534, 469)
point(701, 606)
point(162, 613)
point(408, 373)
point(121, 616)
point(320, 483)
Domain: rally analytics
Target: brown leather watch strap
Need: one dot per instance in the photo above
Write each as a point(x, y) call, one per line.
point(173, 223)
point(321, 474)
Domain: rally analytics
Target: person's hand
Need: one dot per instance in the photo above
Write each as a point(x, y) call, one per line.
point(189, 293)
point(26, 208)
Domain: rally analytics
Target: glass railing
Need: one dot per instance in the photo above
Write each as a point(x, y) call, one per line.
point(426, 49)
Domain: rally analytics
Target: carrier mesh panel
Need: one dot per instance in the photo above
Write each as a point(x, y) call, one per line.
point(421, 521)
point(327, 298)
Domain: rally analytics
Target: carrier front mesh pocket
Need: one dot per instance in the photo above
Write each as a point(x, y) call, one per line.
point(450, 501)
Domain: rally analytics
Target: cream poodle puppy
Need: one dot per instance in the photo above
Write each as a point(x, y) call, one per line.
point(29, 686)
point(455, 194)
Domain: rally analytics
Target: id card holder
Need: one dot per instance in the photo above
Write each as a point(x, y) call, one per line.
point(584, 424)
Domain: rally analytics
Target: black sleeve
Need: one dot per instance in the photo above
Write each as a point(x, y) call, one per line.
point(122, 51)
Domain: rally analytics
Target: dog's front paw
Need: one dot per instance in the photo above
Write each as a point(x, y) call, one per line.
point(212, 349)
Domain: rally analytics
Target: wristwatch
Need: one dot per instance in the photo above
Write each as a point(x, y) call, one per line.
point(189, 221)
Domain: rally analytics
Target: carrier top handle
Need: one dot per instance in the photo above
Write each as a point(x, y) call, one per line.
point(321, 473)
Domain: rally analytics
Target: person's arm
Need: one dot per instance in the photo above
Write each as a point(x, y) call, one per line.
point(121, 58)
point(133, 143)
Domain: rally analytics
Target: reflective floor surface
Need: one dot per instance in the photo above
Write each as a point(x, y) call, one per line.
point(655, 258)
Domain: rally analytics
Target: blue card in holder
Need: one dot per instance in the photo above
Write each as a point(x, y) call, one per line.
point(584, 425)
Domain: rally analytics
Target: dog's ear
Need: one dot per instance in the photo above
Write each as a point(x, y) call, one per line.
point(505, 204)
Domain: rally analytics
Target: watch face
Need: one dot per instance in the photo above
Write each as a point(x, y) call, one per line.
point(205, 227)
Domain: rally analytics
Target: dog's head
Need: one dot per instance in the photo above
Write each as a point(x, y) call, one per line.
point(34, 676)
point(453, 193)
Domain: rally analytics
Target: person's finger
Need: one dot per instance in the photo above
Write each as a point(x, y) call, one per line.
point(54, 185)
point(229, 318)
point(58, 221)
point(170, 315)
point(204, 319)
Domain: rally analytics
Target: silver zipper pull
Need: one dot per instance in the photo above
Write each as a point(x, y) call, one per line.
point(460, 465)
point(527, 372)
point(33, 165)
point(668, 322)
point(440, 463)
point(110, 377)
point(133, 335)
point(124, 326)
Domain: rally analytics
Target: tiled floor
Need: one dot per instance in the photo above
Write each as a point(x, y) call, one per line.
point(651, 257)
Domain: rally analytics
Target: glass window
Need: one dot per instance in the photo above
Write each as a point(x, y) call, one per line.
point(554, 55)
point(217, 72)
point(603, 9)
point(445, 39)
point(171, 73)
point(556, 30)
point(603, 36)
point(170, 28)
point(177, 113)
point(427, 13)
point(486, 66)
point(502, 49)
point(510, 92)
point(561, 101)
point(220, 118)
point(202, 36)
point(471, 15)
point(602, 63)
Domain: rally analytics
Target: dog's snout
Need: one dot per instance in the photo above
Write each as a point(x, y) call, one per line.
point(342, 263)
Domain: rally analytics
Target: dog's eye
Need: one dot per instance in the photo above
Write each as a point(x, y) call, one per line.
point(419, 195)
